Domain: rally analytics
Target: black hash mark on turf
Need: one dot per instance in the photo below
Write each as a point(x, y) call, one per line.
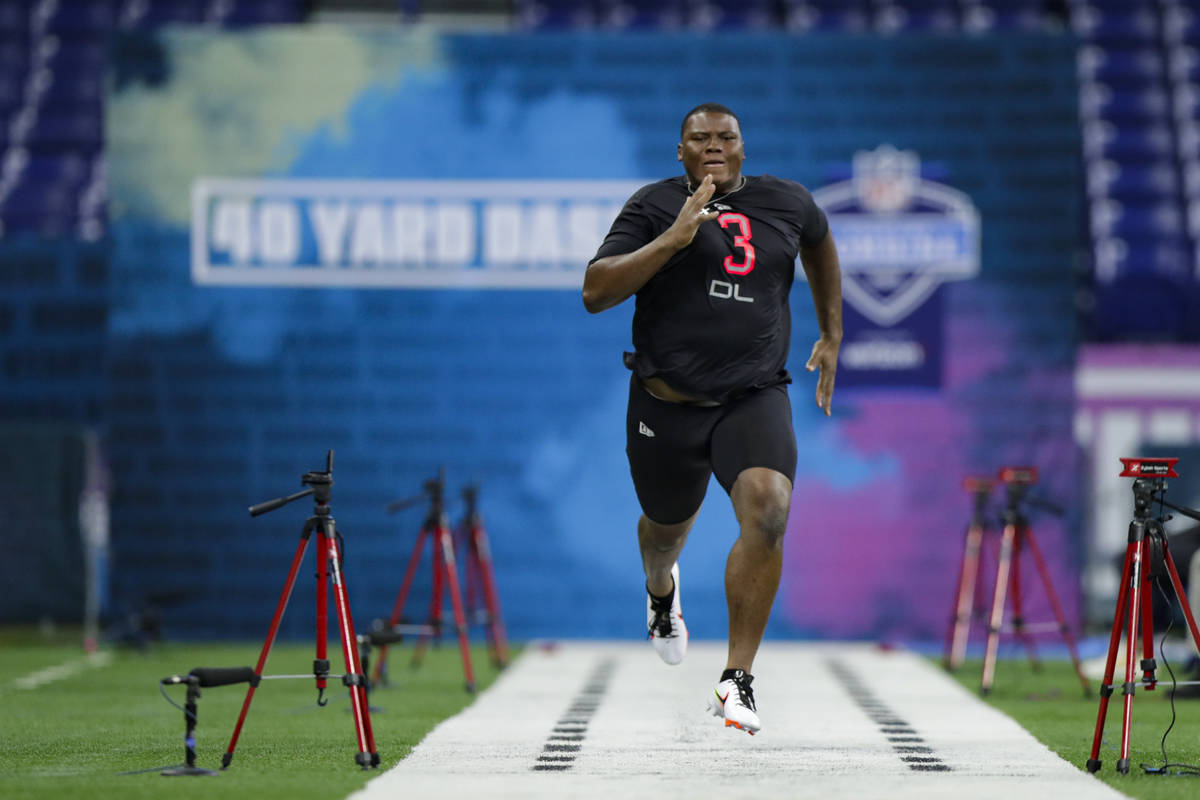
point(566, 739)
point(905, 740)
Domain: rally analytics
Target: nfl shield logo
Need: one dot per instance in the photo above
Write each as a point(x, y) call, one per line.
point(898, 236)
point(885, 178)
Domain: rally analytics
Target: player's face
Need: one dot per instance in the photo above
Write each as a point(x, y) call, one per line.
point(712, 145)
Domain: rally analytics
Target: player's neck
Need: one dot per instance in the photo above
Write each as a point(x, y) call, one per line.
point(723, 190)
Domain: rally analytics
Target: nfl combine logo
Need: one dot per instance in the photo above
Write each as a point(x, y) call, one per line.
point(899, 238)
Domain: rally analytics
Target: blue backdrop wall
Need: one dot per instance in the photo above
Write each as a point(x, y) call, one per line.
point(313, 248)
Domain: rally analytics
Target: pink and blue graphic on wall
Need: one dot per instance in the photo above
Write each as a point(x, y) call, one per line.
point(378, 260)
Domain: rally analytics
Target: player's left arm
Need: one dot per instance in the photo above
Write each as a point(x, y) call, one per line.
point(820, 262)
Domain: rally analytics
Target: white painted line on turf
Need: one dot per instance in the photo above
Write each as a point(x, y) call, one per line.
point(646, 732)
point(58, 672)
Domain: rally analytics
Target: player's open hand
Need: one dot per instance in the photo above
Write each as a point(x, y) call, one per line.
point(693, 213)
point(824, 360)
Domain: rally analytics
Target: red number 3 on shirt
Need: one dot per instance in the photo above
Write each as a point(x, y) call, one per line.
point(744, 266)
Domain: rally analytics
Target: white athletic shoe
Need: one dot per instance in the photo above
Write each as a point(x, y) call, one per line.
point(734, 700)
point(664, 619)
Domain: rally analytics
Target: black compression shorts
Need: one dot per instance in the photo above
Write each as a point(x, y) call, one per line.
point(674, 448)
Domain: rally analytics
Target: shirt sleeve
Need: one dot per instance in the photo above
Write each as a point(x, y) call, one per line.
point(814, 225)
point(630, 230)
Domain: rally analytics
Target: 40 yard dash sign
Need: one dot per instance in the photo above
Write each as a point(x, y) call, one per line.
point(399, 234)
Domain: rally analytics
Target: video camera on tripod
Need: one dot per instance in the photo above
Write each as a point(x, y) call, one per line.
point(1147, 557)
point(436, 529)
point(1017, 482)
point(1016, 538)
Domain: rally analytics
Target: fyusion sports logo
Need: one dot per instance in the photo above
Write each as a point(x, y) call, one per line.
point(898, 236)
point(431, 234)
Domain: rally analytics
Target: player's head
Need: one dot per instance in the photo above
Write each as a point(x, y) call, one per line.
point(710, 143)
point(706, 108)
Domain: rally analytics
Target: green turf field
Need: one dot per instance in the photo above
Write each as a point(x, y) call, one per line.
point(71, 737)
point(1050, 704)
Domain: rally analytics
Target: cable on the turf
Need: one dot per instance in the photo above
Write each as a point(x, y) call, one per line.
point(163, 688)
point(1164, 769)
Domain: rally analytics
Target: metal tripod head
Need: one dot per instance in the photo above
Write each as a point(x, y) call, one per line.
point(320, 486)
point(1147, 491)
point(1018, 494)
point(470, 496)
point(980, 488)
point(433, 490)
point(1151, 486)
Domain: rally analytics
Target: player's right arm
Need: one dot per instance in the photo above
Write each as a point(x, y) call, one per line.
point(611, 280)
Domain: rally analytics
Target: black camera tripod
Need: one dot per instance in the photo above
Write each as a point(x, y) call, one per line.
point(329, 568)
point(1147, 557)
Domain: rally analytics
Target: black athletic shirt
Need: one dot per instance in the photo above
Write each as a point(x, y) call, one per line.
point(715, 322)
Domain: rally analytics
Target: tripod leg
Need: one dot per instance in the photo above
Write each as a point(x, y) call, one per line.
point(464, 542)
point(1149, 666)
point(321, 662)
point(460, 620)
point(1061, 617)
point(270, 640)
point(439, 585)
point(471, 583)
point(1114, 643)
point(1018, 598)
point(979, 604)
point(410, 572)
point(480, 609)
point(964, 599)
point(990, 549)
point(997, 617)
point(354, 679)
point(435, 600)
point(1134, 612)
point(955, 613)
point(487, 576)
point(1183, 599)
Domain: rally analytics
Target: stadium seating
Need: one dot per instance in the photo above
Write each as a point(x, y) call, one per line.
point(1132, 182)
point(987, 17)
point(52, 62)
point(554, 14)
point(1135, 74)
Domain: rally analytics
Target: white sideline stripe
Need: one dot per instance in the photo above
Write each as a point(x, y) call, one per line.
point(651, 737)
point(60, 671)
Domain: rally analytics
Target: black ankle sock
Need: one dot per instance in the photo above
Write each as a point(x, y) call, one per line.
point(731, 674)
point(666, 598)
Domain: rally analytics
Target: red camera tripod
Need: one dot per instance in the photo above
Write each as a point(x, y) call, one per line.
point(480, 577)
point(1147, 557)
point(968, 596)
point(1016, 537)
point(445, 576)
point(329, 568)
